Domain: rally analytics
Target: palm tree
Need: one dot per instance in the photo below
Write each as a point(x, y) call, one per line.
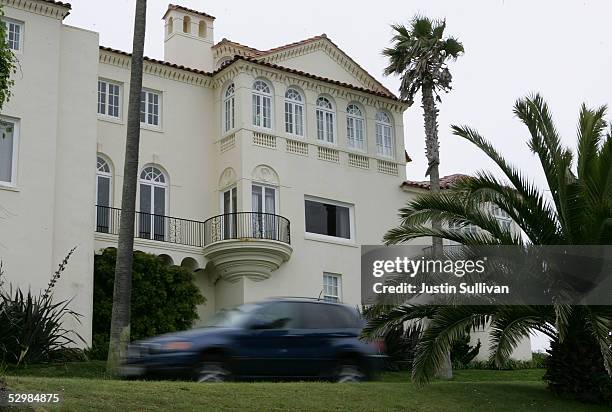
point(120, 320)
point(419, 55)
point(578, 212)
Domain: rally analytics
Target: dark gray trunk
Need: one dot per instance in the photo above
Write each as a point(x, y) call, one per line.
point(120, 321)
point(432, 145)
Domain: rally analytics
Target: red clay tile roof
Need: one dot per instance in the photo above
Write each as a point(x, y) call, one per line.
point(313, 76)
point(263, 53)
point(165, 63)
point(271, 65)
point(446, 182)
point(177, 7)
point(58, 3)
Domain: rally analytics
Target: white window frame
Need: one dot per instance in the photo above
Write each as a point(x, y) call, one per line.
point(380, 126)
point(323, 132)
point(20, 24)
point(328, 287)
point(352, 121)
point(291, 106)
point(149, 93)
point(229, 107)
point(328, 238)
point(15, 155)
point(108, 83)
point(258, 101)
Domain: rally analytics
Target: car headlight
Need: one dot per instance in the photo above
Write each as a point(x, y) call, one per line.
point(176, 346)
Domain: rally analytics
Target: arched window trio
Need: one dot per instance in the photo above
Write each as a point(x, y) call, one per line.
point(325, 113)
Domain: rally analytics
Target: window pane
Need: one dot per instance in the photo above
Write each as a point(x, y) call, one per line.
point(326, 219)
point(270, 200)
point(101, 97)
point(6, 151)
point(257, 199)
point(143, 107)
point(299, 120)
point(320, 125)
point(103, 195)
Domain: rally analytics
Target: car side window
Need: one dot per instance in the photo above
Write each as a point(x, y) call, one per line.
point(278, 315)
point(323, 316)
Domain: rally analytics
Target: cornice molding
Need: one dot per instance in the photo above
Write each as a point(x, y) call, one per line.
point(44, 8)
point(305, 83)
point(157, 69)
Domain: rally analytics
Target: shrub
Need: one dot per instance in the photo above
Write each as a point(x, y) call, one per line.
point(164, 298)
point(31, 325)
point(462, 353)
point(400, 347)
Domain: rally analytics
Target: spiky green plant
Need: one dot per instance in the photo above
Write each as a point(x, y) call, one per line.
point(577, 212)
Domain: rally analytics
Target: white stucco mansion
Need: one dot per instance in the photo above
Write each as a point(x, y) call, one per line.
point(263, 171)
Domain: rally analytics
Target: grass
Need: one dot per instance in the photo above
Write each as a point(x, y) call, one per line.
point(85, 387)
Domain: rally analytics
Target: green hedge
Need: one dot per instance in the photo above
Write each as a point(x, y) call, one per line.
point(164, 298)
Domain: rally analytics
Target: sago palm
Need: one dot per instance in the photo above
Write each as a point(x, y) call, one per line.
point(577, 212)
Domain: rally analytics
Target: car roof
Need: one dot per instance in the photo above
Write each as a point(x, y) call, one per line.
point(303, 300)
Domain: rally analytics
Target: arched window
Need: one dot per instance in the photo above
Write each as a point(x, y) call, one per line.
point(325, 120)
point(354, 127)
point(104, 184)
point(153, 199)
point(186, 24)
point(294, 112)
point(262, 104)
point(384, 135)
point(170, 24)
point(228, 108)
point(202, 28)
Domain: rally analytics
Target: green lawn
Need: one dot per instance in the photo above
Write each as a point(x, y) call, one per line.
point(85, 387)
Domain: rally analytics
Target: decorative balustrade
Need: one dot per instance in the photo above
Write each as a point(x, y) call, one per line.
point(241, 225)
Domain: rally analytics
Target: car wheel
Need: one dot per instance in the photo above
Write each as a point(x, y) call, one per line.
point(349, 371)
point(212, 370)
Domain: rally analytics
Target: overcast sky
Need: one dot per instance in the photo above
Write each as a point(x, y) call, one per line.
point(513, 47)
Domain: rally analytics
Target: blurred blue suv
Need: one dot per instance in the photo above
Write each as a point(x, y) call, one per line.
point(287, 338)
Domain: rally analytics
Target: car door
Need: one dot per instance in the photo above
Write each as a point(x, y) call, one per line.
point(322, 328)
point(266, 347)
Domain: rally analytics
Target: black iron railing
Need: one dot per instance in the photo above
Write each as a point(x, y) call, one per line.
point(241, 225)
point(247, 225)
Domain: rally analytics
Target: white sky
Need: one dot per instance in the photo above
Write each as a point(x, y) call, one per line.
point(561, 49)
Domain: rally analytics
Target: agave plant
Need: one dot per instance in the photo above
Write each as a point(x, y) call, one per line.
point(577, 212)
point(31, 326)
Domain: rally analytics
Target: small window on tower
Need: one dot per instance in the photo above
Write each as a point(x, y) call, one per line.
point(186, 24)
point(202, 29)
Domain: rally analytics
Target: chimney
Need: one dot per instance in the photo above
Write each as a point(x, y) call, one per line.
point(188, 38)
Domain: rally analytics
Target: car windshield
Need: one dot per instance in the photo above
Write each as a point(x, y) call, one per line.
point(232, 318)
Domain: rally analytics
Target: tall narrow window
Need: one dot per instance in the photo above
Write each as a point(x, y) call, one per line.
point(354, 127)
point(109, 99)
point(202, 28)
point(229, 206)
point(186, 24)
point(170, 25)
point(150, 108)
point(9, 133)
point(384, 135)
point(294, 112)
point(262, 104)
point(153, 198)
point(264, 207)
point(325, 120)
point(332, 287)
point(228, 108)
point(104, 178)
point(14, 34)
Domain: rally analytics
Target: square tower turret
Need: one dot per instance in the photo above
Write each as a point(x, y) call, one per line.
point(188, 38)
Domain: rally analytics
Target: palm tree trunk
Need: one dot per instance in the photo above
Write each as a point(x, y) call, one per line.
point(122, 293)
point(432, 145)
